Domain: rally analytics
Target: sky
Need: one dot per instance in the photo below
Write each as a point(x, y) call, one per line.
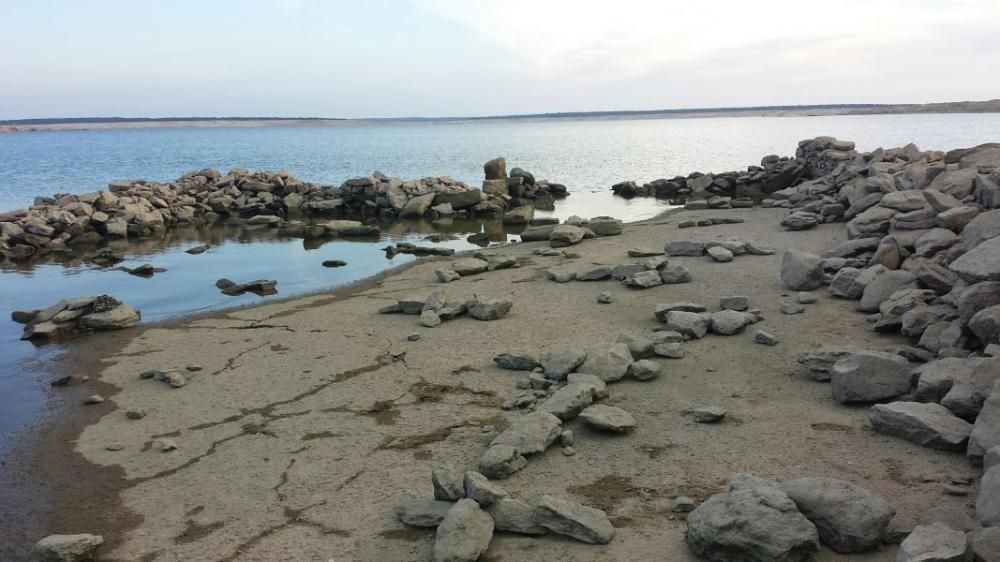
point(394, 58)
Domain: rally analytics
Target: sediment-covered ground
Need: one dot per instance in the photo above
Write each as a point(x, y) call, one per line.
point(308, 421)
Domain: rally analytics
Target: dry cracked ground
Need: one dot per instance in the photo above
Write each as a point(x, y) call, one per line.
point(312, 418)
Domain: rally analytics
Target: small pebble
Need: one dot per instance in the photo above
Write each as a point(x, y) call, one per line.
point(683, 504)
point(94, 399)
point(806, 298)
point(604, 298)
point(791, 308)
point(569, 451)
point(135, 414)
point(115, 447)
point(765, 338)
point(708, 414)
point(413, 337)
point(165, 445)
point(193, 368)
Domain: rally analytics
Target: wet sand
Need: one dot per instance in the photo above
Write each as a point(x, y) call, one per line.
point(313, 417)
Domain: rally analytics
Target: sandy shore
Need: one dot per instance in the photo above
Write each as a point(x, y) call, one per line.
point(313, 417)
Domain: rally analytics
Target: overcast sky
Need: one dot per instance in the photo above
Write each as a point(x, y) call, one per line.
point(68, 58)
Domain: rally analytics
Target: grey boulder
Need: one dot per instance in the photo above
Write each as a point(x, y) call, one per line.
point(464, 534)
point(801, 271)
point(868, 376)
point(574, 520)
point(930, 425)
point(848, 517)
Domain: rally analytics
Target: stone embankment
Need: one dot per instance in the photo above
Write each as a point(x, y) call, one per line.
point(143, 209)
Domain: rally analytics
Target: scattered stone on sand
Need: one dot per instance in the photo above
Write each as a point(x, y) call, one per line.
point(608, 418)
point(682, 504)
point(936, 542)
point(596, 384)
point(605, 298)
point(449, 484)
point(670, 350)
point(708, 414)
point(728, 322)
point(598, 273)
point(479, 488)
point(516, 516)
point(429, 319)
point(643, 279)
point(736, 302)
point(689, 324)
point(645, 370)
point(135, 413)
point(792, 308)
point(643, 252)
point(574, 520)
point(94, 399)
point(464, 534)
point(469, 266)
point(930, 425)
point(165, 445)
point(531, 433)
point(568, 401)
point(490, 310)
point(720, 254)
point(801, 271)
point(516, 361)
point(66, 548)
point(848, 517)
point(561, 363)
point(501, 461)
point(610, 362)
point(675, 273)
point(422, 512)
point(765, 338)
point(803, 297)
point(446, 275)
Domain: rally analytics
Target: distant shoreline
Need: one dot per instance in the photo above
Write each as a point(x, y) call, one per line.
point(106, 123)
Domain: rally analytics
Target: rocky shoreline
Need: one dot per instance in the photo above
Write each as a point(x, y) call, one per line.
point(613, 383)
point(141, 209)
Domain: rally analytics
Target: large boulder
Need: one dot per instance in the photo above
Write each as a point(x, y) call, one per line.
point(848, 517)
point(930, 425)
point(801, 271)
point(417, 206)
point(752, 523)
point(464, 534)
point(496, 169)
point(868, 376)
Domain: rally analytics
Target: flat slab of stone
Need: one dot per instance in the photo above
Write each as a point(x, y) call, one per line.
point(930, 425)
point(531, 433)
point(422, 513)
point(608, 418)
point(574, 520)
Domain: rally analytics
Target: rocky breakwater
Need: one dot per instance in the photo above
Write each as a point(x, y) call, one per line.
point(70, 316)
point(922, 259)
point(813, 158)
point(137, 209)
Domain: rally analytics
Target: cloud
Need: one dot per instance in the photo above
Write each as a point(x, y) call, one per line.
point(631, 38)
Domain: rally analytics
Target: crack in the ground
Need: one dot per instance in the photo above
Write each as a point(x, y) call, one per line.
point(231, 362)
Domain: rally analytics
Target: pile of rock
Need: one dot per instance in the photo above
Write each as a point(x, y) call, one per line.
point(436, 308)
point(468, 508)
point(650, 272)
point(719, 250)
point(70, 316)
point(479, 262)
point(141, 208)
point(923, 260)
point(725, 190)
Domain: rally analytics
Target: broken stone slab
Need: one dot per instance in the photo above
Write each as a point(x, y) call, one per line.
point(574, 520)
point(599, 273)
point(421, 512)
point(608, 418)
point(479, 488)
point(930, 425)
point(848, 517)
point(531, 433)
point(516, 361)
point(464, 534)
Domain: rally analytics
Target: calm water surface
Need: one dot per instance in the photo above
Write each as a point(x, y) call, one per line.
point(587, 156)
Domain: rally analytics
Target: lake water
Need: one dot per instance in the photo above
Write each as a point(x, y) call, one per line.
point(588, 156)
